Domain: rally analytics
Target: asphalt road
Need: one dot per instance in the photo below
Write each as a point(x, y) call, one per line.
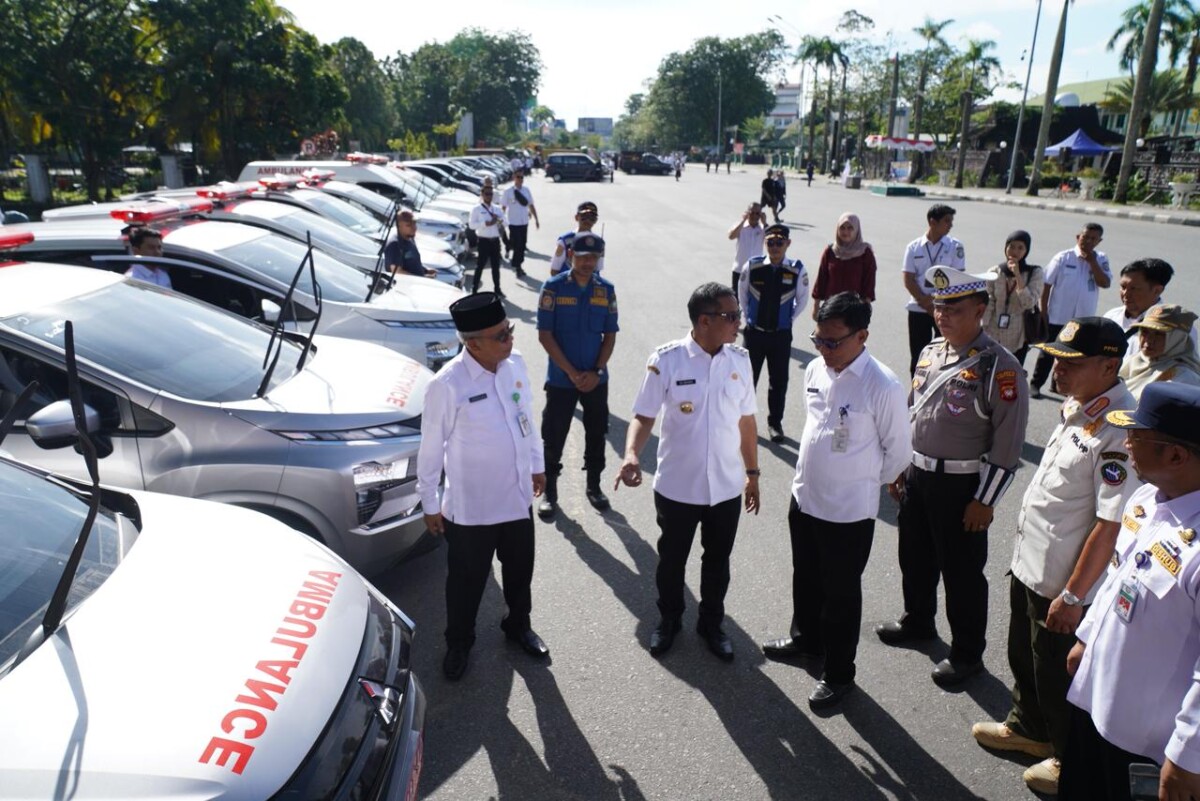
point(603, 720)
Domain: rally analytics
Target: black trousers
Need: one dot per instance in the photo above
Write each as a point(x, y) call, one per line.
point(518, 236)
point(921, 331)
point(775, 347)
point(1093, 769)
point(1041, 370)
point(488, 251)
point(782, 202)
point(1038, 658)
point(718, 529)
point(828, 560)
point(469, 562)
point(556, 423)
point(933, 544)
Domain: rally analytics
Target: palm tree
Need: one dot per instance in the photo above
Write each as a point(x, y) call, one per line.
point(981, 65)
point(1191, 30)
point(837, 57)
point(1056, 57)
point(1141, 88)
point(1166, 92)
point(1133, 29)
point(820, 52)
point(931, 32)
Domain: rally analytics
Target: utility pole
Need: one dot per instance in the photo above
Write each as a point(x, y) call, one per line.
point(720, 142)
point(1016, 145)
point(894, 96)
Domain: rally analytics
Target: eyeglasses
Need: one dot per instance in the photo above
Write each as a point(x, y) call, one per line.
point(776, 242)
point(829, 344)
point(729, 317)
point(501, 337)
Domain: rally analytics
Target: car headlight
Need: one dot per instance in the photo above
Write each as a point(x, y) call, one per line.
point(407, 428)
point(444, 325)
point(442, 350)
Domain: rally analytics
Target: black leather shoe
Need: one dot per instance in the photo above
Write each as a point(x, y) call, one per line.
point(547, 510)
point(790, 648)
point(717, 641)
point(597, 498)
point(898, 633)
point(455, 663)
point(521, 273)
point(530, 642)
point(827, 694)
point(776, 433)
point(663, 636)
point(498, 293)
point(950, 674)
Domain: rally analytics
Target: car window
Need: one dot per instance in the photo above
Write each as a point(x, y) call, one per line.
point(299, 222)
point(278, 258)
point(161, 340)
point(18, 369)
point(342, 212)
point(39, 523)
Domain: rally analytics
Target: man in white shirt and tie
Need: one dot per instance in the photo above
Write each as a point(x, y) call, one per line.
point(856, 438)
point(477, 427)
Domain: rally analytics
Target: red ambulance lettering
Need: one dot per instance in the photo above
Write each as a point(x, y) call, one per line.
point(223, 749)
point(257, 720)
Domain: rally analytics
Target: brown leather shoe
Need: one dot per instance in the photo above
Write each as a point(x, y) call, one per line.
point(999, 737)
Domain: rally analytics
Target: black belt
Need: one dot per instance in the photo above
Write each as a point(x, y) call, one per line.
point(765, 330)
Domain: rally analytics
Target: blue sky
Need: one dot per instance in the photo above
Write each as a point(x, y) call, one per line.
point(595, 56)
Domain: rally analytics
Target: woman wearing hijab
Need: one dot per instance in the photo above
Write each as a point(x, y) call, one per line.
point(848, 265)
point(1167, 352)
point(1014, 290)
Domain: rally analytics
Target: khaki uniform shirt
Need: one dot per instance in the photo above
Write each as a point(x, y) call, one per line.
point(1084, 475)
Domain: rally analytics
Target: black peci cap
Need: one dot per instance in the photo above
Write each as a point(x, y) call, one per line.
point(477, 312)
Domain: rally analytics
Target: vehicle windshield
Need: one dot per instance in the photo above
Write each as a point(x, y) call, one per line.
point(40, 520)
point(425, 188)
point(369, 200)
point(326, 232)
point(279, 257)
point(162, 340)
point(340, 211)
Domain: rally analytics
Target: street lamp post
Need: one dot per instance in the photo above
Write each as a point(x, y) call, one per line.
point(1012, 167)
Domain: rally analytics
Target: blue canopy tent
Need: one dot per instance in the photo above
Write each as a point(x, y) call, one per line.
point(1080, 144)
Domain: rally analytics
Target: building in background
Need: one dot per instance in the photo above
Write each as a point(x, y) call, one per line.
point(596, 125)
point(787, 106)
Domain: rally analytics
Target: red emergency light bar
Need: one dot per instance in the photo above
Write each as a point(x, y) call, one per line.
point(14, 240)
point(366, 157)
point(318, 176)
point(281, 181)
point(227, 190)
point(167, 210)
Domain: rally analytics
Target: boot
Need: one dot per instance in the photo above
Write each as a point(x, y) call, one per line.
point(548, 508)
point(595, 495)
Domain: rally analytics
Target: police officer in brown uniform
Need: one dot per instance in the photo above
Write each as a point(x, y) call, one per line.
point(969, 406)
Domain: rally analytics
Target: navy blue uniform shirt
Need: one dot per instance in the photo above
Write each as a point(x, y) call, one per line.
point(579, 317)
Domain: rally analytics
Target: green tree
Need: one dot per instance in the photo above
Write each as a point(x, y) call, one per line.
point(1132, 31)
point(542, 115)
point(370, 108)
point(979, 67)
point(1141, 88)
point(819, 52)
point(931, 33)
point(1056, 57)
point(1166, 92)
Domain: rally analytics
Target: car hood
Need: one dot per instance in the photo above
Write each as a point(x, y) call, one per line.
point(131, 697)
point(348, 384)
point(426, 299)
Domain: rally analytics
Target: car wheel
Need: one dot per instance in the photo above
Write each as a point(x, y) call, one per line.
point(633, 170)
point(557, 178)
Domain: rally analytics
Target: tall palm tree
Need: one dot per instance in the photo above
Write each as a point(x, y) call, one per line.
point(1141, 88)
point(1192, 36)
point(837, 57)
point(819, 51)
point(931, 32)
point(1043, 139)
point(1166, 92)
point(1133, 30)
point(980, 66)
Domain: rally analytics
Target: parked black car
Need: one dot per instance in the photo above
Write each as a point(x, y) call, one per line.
point(573, 167)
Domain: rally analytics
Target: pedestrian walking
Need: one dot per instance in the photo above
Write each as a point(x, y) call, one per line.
point(969, 410)
point(1014, 288)
point(1074, 279)
point(768, 199)
point(518, 205)
point(577, 325)
point(586, 217)
point(780, 191)
point(847, 264)
point(936, 247)
point(773, 291)
point(1134, 694)
point(707, 459)
point(477, 431)
point(486, 221)
point(750, 234)
point(856, 438)
point(809, 169)
point(1066, 531)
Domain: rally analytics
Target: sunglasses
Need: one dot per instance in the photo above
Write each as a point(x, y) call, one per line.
point(829, 344)
point(729, 317)
point(776, 242)
point(501, 337)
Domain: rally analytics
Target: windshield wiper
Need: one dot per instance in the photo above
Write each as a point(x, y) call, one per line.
point(377, 273)
point(58, 601)
point(275, 343)
point(312, 332)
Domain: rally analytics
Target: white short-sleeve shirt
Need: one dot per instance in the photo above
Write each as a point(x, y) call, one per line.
point(750, 241)
point(921, 254)
point(517, 214)
point(1075, 292)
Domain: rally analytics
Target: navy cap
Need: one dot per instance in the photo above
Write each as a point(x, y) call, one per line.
point(1087, 336)
point(1165, 407)
point(477, 312)
point(587, 243)
point(778, 230)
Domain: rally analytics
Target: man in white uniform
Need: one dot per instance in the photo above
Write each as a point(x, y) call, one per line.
point(935, 248)
point(750, 234)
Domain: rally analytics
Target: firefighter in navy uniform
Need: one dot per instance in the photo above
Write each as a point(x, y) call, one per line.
point(773, 292)
point(969, 405)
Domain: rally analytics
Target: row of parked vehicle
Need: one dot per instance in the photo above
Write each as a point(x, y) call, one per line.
point(283, 375)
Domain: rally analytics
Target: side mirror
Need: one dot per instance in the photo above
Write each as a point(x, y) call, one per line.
point(270, 311)
point(53, 426)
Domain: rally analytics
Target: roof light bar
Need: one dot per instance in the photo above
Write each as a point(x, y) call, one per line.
point(318, 176)
point(14, 240)
point(160, 210)
point(281, 181)
point(228, 190)
point(368, 158)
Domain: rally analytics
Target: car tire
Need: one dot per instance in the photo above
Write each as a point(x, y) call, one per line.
point(557, 178)
point(633, 170)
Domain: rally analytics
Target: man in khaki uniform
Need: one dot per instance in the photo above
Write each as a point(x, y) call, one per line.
point(969, 406)
point(1065, 535)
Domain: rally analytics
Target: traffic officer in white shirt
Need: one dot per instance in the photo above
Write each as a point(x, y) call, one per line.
point(487, 220)
point(1065, 535)
point(517, 202)
point(969, 410)
point(147, 241)
point(1074, 279)
point(1135, 691)
point(707, 459)
point(477, 427)
point(935, 248)
point(586, 217)
point(856, 438)
point(750, 235)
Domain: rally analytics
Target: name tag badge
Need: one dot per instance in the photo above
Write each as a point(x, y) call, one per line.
point(1003, 321)
point(683, 382)
point(523, 422)
point(841, 438)
point(1126, 600)
point(477, 398)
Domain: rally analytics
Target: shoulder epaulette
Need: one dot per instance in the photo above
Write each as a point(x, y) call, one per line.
point(738, 349)
point(670, 346)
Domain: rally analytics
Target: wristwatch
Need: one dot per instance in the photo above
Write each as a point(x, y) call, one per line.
point(600, 371)
point(753, 473)
point(1070, 599)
